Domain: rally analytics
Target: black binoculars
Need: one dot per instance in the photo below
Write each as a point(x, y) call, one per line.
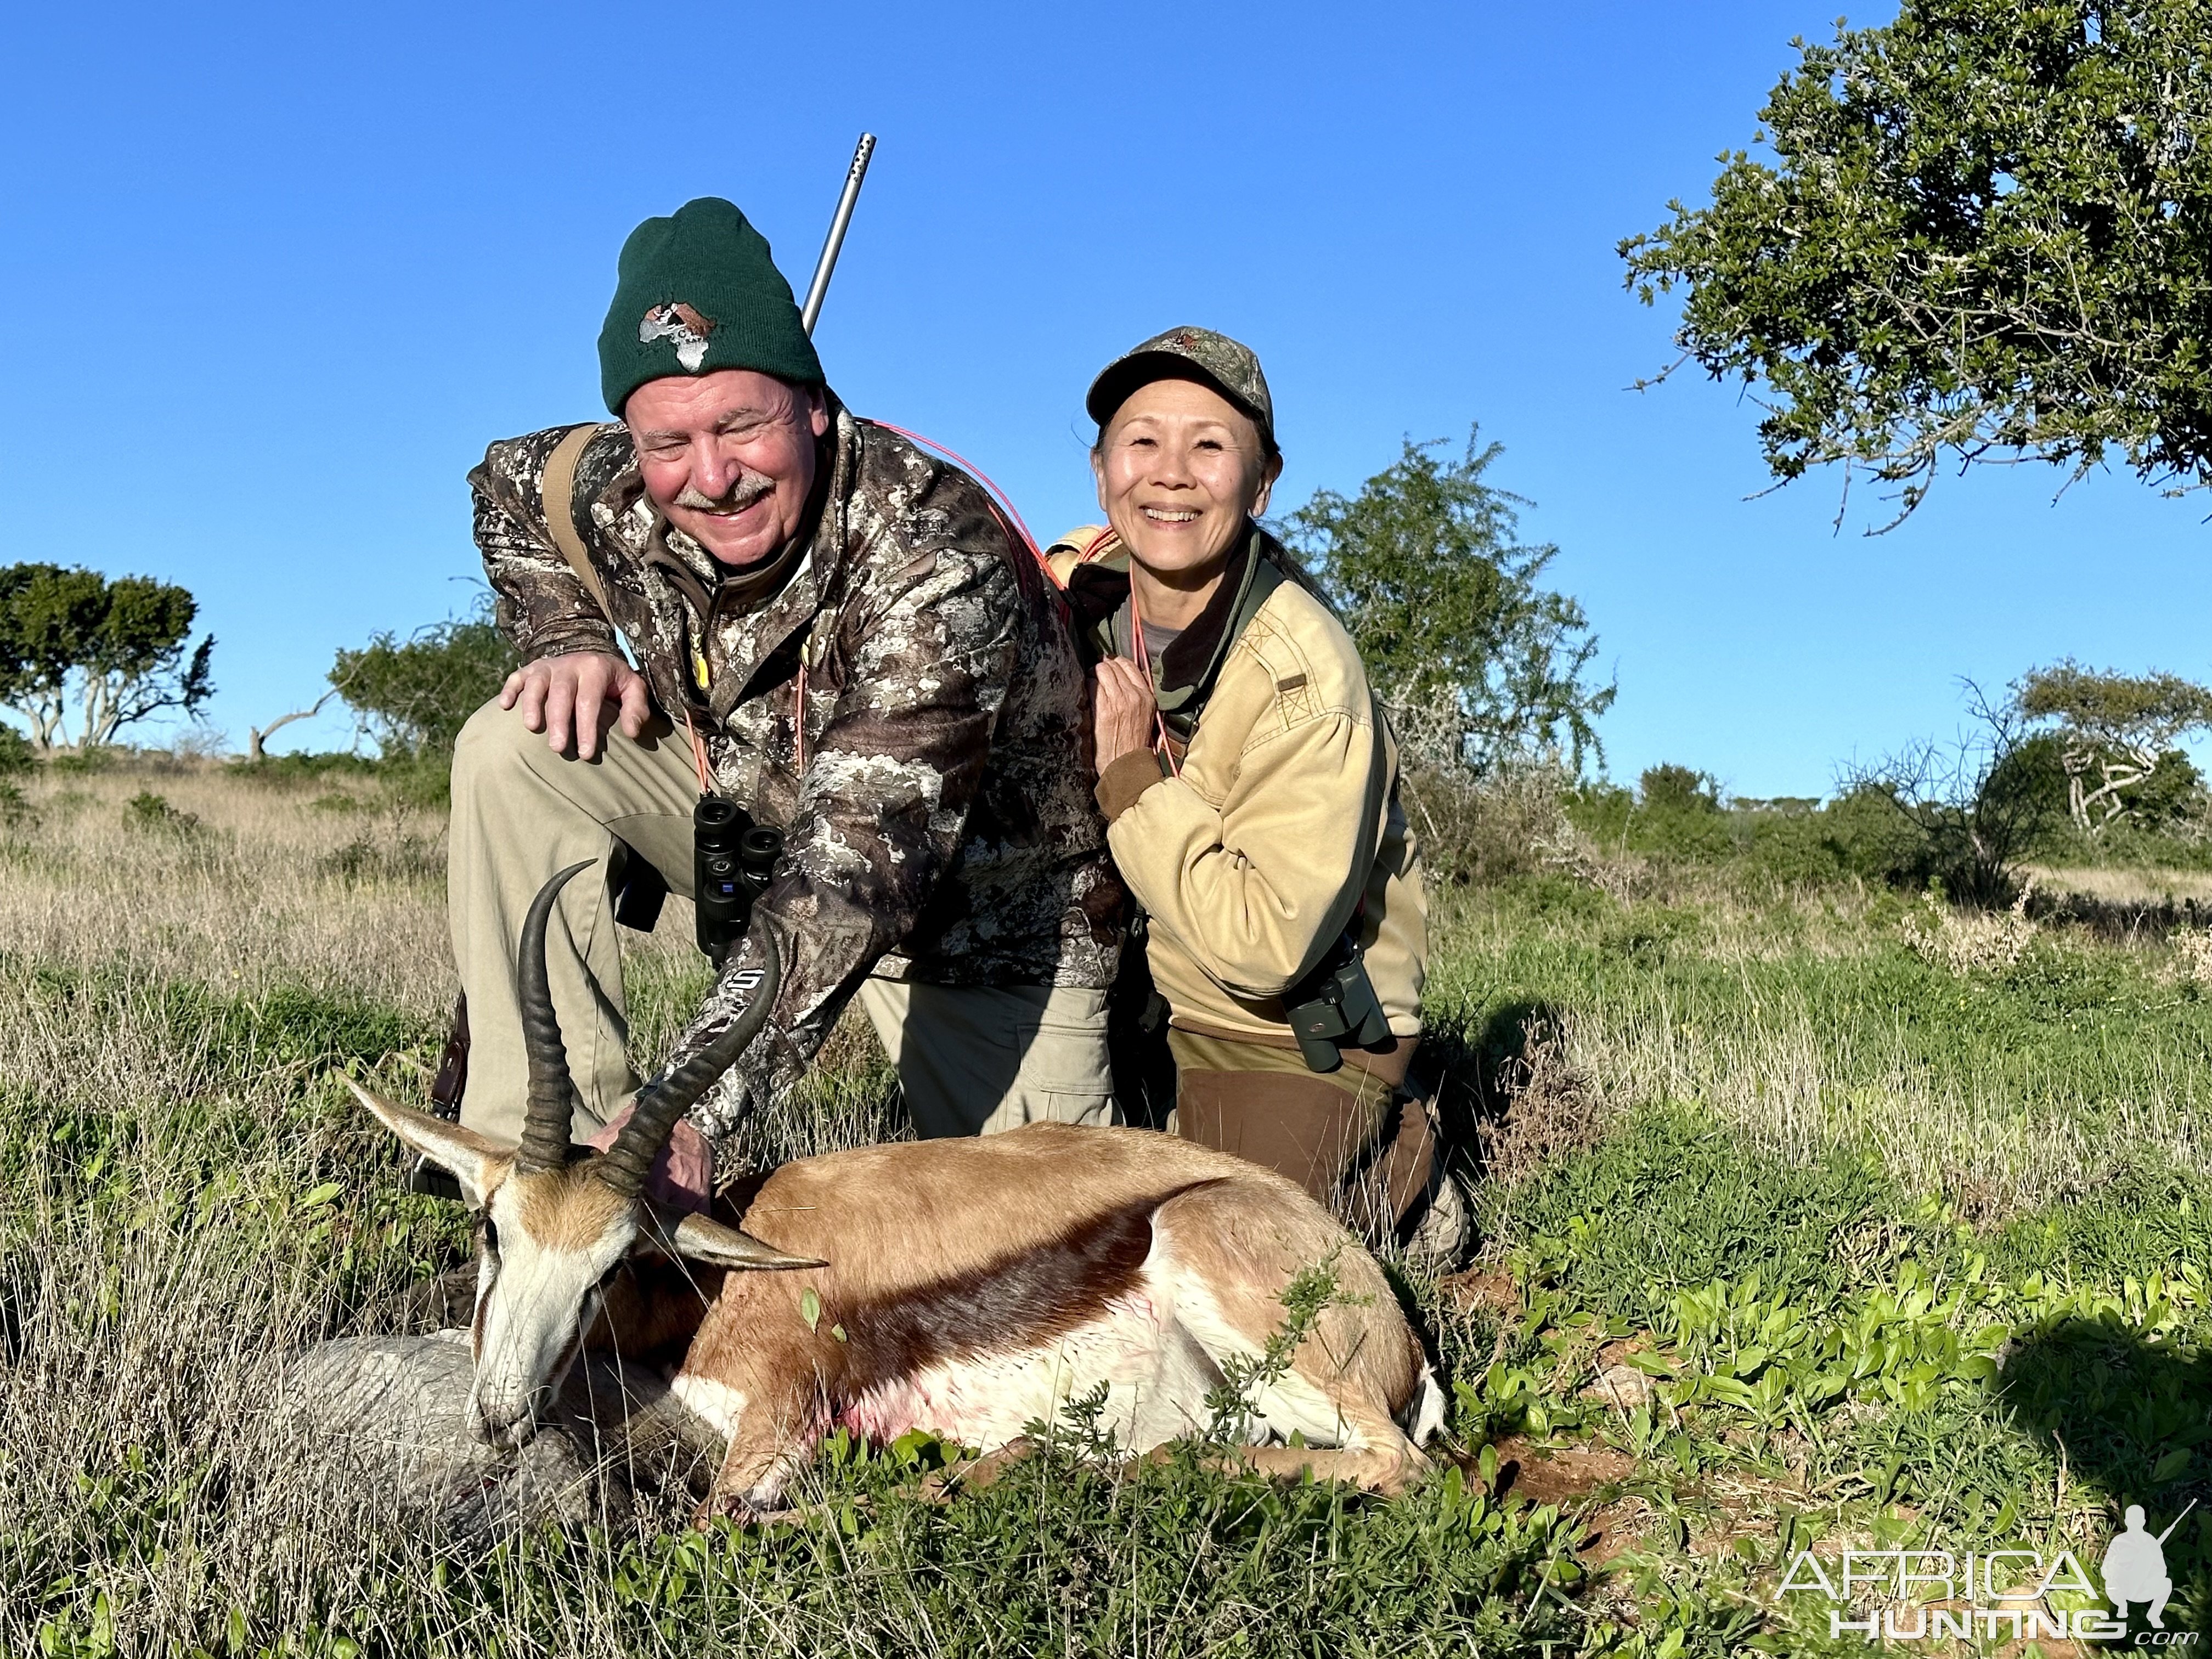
point(733, 861)
point(1338, 1006)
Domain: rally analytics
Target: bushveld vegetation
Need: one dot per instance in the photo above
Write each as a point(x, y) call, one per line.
point(1814, 1213)
point(1971, 234)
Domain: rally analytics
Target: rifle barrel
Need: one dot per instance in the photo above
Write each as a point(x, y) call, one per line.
point(2178, 1520)
point(819, 289)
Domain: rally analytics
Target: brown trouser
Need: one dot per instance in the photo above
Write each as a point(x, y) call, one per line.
point(1347, 1136)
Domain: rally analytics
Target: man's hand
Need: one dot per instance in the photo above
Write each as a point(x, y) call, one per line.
point(1121, 710)
point(581, 692)
point(682, 1174)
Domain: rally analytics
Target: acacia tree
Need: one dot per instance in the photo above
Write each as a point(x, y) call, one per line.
point(1985, 234)
point(1477, 662)
point(135, 662)
point(121, 645)
point(46, 614)
point(2118, 731)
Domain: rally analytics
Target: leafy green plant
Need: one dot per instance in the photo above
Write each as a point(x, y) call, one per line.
point(147, 811)
point(416, 694)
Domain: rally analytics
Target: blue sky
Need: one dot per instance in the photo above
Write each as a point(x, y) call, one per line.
point(272, 278)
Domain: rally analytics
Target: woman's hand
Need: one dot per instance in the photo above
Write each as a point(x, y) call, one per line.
point(1121, 710)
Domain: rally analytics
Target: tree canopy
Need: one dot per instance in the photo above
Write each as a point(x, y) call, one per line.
point(2117, 734)
point(119, 645)
point(1476, 660)
point(415, 695)
point(1985, 235)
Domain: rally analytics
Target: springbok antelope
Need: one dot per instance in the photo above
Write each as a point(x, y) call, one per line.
point(963, 1287)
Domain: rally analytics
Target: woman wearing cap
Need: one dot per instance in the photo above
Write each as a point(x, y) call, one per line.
point(1249, 787)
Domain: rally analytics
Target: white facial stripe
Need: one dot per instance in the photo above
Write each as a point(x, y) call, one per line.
point(529, 1315)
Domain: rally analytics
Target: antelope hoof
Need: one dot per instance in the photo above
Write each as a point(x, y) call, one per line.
point(739, 1513)
point(976, 1472)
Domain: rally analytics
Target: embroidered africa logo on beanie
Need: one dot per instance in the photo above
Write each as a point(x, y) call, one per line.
point(683, 325)
point(695, 292)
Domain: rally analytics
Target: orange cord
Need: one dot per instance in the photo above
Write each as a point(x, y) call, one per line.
point(1020, 526)
point(798, 718)
point(699, 757)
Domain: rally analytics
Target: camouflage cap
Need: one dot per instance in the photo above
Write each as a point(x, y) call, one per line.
point(1229, 367)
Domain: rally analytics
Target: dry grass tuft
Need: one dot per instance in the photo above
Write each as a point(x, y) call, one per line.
point(1971, 941)
point(2126, 883)
point(2192, 956)
point(1546, 1107)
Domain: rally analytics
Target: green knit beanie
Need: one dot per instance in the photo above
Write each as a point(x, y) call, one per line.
point(695, 292)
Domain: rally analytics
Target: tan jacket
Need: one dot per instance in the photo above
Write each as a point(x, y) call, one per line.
point(1241, 861)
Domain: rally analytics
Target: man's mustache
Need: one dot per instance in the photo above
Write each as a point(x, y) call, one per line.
point(745, 489)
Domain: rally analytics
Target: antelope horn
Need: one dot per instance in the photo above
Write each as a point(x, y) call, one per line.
point(661, 1102)
point(551, 1103)
point(718, 1244)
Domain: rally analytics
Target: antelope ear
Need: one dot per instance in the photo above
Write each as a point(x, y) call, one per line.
point(702, 1239)
point(474, 1160)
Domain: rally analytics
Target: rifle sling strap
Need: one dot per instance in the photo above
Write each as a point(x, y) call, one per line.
point(558, 492)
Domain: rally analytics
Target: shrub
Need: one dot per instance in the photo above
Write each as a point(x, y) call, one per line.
point(1978, 809)
point(303, 767)
point(417, 694)
point(1679, 789)
point(1873, 840)
point(147, 811)
point(1486, 829)
point(1793, 849)
point(1479, 664)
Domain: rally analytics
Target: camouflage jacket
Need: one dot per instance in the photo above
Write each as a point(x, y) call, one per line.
point(942, 827)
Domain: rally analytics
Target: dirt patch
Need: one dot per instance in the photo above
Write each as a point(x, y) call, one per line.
point(1612, 1529)
point(1564, 1475)
point(1622, 1387)
point(1572, 1479)
point(1481, 1287)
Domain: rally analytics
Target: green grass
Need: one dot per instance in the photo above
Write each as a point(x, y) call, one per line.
point(1909, 1255)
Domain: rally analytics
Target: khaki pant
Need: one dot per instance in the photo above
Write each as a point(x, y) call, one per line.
point(970, 1060)
point(977, 1059)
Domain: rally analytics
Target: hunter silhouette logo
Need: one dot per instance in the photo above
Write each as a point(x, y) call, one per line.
point(2135, 1567)
point(681, 323)
point(1935, 1596)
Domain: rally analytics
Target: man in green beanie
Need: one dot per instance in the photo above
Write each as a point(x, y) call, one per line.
point(836, 630)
